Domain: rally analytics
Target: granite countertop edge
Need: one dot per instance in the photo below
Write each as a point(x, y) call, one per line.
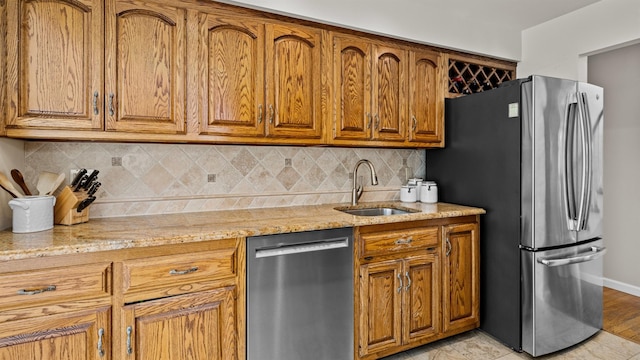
point(106, 234)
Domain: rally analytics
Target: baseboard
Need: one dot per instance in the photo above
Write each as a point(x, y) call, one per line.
point(620, 286)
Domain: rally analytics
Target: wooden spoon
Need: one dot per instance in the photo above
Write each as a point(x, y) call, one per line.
point(46, 182)
point(56, 184)
point(16, 175)
point(8, 186)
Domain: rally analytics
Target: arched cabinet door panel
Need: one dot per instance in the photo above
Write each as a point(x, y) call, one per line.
point(55, 64)
point(352, 88)
point(232, 76)
point(145, 68)
point(293, 74)
point(426, 97)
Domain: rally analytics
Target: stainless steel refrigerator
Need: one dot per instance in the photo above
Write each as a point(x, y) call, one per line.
point(530, 153)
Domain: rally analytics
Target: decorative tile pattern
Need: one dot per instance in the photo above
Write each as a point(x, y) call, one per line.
point(476, 345)
point(144, 179)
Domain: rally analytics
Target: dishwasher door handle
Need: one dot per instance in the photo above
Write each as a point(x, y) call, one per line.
point(311, 246)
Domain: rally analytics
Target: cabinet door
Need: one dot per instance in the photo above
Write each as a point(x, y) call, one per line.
point(421, 309)
point(389, 93)
point(293, 81)
point(352, 88)
point(461, 277)
point(380, 318)
point(232, 76)
point(426, 97)
point(81, 335)
point(145, 67)
point(198, 326)
point(55, 64)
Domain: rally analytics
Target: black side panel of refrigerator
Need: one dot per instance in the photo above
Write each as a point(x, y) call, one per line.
point(480, 166)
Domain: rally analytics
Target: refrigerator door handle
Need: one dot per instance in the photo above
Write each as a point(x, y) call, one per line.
point(585, 129)
point(594, 253)
point(568, 157)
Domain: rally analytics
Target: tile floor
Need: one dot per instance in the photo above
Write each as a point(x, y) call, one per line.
point(476, 345)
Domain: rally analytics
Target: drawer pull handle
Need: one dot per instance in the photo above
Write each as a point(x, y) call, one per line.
point(403, 241)
point(129, 348)
point(399, 287)
point(260, 114)
point(112, 110)
point(96, 111)
point(449, 247)
point(406, 274)
point(183, 272)
point(36, 291)
point(100, 349)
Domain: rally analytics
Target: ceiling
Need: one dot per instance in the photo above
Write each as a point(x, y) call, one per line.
point(514, 14)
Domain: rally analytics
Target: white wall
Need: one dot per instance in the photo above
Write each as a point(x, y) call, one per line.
point(11, 157)
point(560, 48)
point(417, 22)
point(618, 71)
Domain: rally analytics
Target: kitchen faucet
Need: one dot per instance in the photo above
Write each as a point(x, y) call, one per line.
point(356, 192)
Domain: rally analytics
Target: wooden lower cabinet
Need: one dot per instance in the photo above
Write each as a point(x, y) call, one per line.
point(461, 277)
point(173, 302)
point(399, 302)
point(199, 326)
point(78, 335)
point(417, 282)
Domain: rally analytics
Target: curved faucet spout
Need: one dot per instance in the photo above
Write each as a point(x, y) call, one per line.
point(356, 190)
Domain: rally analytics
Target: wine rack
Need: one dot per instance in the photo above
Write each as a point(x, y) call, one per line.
point(467, 76)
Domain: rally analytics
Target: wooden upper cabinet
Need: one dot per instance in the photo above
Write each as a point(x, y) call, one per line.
point(293, 73)
point(426, 97)
point(389, 85)
point(352, 88)
point(54, 64)
point(231, 52)
point(145, 67)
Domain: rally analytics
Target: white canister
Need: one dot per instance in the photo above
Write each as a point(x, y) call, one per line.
point(32, 213)
point(429, 192)
point(408, 194)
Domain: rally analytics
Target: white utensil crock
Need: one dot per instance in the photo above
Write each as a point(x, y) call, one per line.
point(32, 213)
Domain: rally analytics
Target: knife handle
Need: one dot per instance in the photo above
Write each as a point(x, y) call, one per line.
point(81, 182)
point(93, 188)
point(90, 179)
point(78, 177)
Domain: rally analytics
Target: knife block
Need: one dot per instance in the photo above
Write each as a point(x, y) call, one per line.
point(65, 210)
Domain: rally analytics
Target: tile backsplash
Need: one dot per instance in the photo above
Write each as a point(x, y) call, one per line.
point(141, 179)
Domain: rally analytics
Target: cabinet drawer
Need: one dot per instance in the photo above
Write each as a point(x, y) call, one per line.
point(165, 272)
point(55, 284)
point(380, 243)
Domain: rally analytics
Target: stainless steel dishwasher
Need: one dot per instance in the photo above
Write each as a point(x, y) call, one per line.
point(300, 296)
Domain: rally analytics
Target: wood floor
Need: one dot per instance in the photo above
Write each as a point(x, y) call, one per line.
point(621, 315)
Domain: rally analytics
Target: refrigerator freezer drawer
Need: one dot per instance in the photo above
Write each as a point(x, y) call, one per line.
point(561, 297)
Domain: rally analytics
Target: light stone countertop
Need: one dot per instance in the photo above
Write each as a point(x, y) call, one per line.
point(141, 231)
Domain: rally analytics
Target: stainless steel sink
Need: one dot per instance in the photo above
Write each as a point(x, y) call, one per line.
point(377, 211)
